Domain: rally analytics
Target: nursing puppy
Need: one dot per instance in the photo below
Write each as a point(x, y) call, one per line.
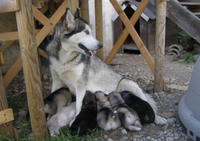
point(61, 118)
point(74, 64)
point(107, 119)
point(129, 118)
point(56, 101)
point(143, 108)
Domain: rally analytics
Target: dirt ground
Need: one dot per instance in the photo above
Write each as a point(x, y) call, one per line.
point(132, 66)
point(175, 72)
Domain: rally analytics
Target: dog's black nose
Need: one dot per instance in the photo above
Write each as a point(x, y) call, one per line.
point(100, 45)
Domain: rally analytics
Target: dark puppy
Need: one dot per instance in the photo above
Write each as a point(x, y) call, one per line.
point(86, 120)
point(129, 118)
point(143, 109)
point(107, 119)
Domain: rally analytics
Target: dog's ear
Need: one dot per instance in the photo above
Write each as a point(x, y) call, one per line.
point(77, 13)
point(69, 20)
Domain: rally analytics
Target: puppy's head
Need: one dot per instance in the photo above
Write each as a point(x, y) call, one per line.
point(115, 98)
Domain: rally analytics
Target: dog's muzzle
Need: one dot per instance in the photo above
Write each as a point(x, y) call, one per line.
point(90, 52)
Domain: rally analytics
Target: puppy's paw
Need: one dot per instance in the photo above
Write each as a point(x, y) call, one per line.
point(160, 120)
point(71, 122)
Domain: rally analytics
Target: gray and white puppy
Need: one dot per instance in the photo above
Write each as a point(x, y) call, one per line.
point(56, 101)
point(129, 118)
point(61, 118)
point(106, 118)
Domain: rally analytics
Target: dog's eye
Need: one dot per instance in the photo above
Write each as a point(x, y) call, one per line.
point(87, 32)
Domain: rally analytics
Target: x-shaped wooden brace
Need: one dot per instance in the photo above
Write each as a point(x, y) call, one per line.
point(49, 24)
point(129, 24)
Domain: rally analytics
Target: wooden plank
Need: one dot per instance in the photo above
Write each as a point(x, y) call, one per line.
point(85, 10)
point(125, 32)
point(8, 6)
point(9, 36)
point(1, 59)
point(5, 129)
point(40, 16)
point(185, 19)
point(160, 44)
point(99, 24)
point(148, 58)
point(190, 3)
point(73, 5)
point(6, 116)
point(178, 87)
point(196, 13)
point(25, 24)
point(16, 67)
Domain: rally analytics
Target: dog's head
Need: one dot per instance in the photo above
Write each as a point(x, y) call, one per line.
point(115, 98)
point(76, 34)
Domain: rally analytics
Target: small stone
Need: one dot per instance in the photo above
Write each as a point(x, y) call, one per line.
point(109, 139)
point(171, 120)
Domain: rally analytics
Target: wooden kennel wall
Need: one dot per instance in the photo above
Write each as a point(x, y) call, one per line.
point(30, 39)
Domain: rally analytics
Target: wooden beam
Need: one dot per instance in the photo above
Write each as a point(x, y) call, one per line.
point(1, 59)
point(99, 23)
point(85, 10)
point(25, 24)
point(5, 129)
point(8, 6)
point(6, 116)
point(185, 19)
point(190, 3)
point(9, 36)
point(160, 44)
point(40, 16)
point(125, 32)
point(73, 5)
point(148, 58)
point(16, 67)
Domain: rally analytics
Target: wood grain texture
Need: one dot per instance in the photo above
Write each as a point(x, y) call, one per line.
point(185, 19)
point(29, 55)
point(125, 32)
point(85, 10)
point(9, 36)
point(5, 129)
point(8, 6)
point(73, 5)
point(160, 44)
point(99, 24)
point(2, 61)
point(148, 58)
point(16, 67)
point(6, 116)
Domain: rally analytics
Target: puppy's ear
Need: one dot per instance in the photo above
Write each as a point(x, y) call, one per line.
point(77, 13)
point(69, 20)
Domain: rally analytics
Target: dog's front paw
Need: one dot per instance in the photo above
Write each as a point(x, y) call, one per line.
point(160, 120)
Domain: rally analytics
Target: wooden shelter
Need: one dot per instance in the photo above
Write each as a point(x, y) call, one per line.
point(30, 39)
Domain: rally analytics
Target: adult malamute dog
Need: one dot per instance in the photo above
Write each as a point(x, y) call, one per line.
point(74, 65)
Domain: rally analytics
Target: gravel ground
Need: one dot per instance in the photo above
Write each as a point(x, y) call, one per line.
point(134, 67)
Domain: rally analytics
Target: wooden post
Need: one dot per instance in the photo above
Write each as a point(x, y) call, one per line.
point(85, 10)
point(31, 69)
point(73, 5)
point(5, 129)
point(99, 23)
point(160, 44)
